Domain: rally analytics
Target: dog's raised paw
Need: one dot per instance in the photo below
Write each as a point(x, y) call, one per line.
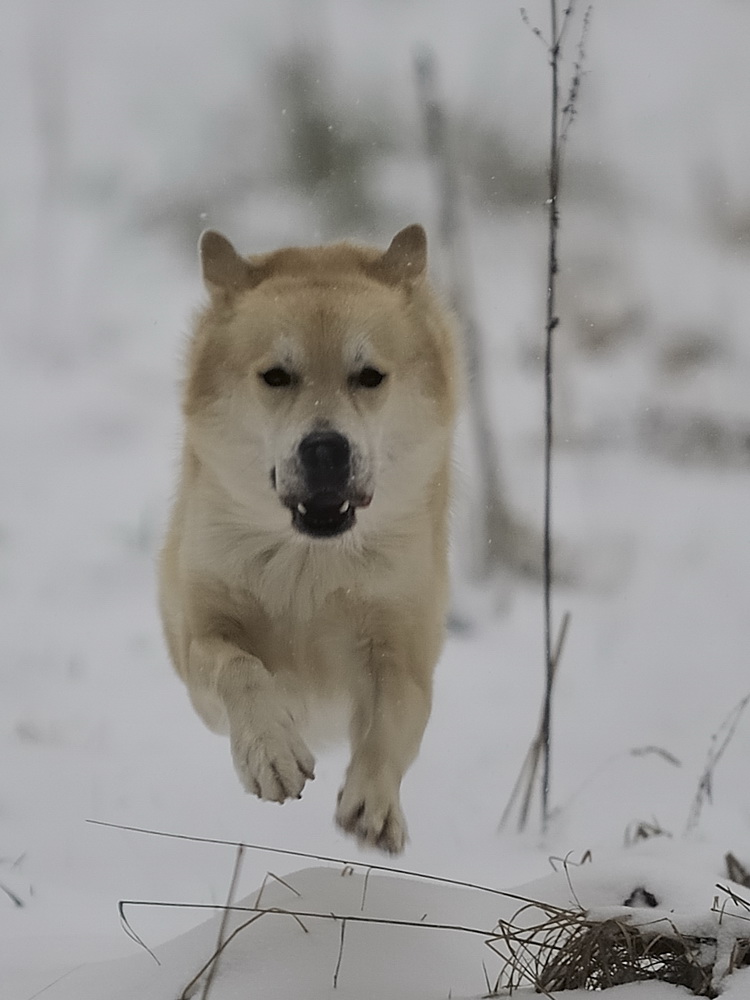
point(273, 762)
point(373, 815)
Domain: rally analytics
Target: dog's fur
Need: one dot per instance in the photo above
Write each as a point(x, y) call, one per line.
point(274, 612)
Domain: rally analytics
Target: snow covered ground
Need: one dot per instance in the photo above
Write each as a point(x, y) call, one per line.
point(356, 934)
point(96, 299)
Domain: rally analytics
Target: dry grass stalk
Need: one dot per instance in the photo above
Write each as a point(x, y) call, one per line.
point(613, 952)
point(719, 743)
point(735, 898)
point(340, 955)
point(643, 830)
point(560, 121)
point(529, 769)
point(220, 941)
point(567, 951)
point(189, 990)
point(565, 863)
point(15, 899)
point(348, 866)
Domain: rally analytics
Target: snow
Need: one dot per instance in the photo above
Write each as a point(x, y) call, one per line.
point(364, 934)
point(100, 281)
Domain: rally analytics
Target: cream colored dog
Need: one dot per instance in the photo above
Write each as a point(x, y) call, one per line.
point(305, 565)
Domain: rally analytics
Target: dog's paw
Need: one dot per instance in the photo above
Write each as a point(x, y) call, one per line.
point(372, 812)
point(272, 761)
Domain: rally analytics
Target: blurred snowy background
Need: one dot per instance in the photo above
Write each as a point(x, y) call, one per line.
point(127, 128)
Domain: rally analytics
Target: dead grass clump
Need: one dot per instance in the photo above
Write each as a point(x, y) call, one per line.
point(570, 951)
point(612, 953)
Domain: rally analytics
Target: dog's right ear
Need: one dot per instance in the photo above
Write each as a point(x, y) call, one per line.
point(224, 271)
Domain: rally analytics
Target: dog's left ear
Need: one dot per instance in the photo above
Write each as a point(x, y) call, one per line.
point(406, 257)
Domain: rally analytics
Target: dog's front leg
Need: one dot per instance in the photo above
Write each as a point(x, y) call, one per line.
point(391, 711)
point(269, 755)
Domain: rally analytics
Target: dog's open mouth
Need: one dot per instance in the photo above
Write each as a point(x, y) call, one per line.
point(325, 515)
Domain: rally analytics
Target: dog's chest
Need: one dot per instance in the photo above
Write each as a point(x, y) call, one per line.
point(325, 652)
point(321, 667)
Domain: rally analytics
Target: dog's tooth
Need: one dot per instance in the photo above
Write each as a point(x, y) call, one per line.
point(344, 507)
point(301, 508)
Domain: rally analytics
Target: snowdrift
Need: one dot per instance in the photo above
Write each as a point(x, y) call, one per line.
point(357, 935)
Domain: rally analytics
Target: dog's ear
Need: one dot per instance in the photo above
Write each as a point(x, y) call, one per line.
point(405, 259)
point(224, 271)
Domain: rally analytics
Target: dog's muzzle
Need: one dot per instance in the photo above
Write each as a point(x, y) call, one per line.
point(326, 505)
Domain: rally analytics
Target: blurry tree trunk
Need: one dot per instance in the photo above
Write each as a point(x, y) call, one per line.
point(46, 61)
point(503, 538)
point(325, 158)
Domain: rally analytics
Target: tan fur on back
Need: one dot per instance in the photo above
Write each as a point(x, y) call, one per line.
point(268, 626)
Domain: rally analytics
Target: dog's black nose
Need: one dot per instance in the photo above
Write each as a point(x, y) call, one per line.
point(325, 459)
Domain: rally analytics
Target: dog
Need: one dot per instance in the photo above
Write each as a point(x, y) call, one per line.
point(304, 575)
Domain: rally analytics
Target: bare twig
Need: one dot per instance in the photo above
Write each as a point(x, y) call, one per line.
point(719, 743)
point(533, 28)
point(735, 897)
point(527, 775)
point(586, 858)
point(560, 120)
point(125, 924)
point(552, 320)
point(54, 982)
point(318, 915)
point(365, 884)
point(16, 900)
point(287, 885)
point(569, 880)
point(262, 888)
point(658, 752)
point(487, 982)
point(341, 955)
point(277, 879)
point(352, 865)
point(187, 992)
point(223, 925)
point(643, 830)
point(567, 16)
point(570, 108)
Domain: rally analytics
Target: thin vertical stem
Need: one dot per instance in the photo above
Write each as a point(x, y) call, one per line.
point(221, 942)
point(551, 323)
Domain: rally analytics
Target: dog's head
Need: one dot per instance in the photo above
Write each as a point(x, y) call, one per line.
point(320, 381)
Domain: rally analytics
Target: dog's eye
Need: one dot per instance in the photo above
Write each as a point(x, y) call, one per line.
point(277, 377)
point(368, 378)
